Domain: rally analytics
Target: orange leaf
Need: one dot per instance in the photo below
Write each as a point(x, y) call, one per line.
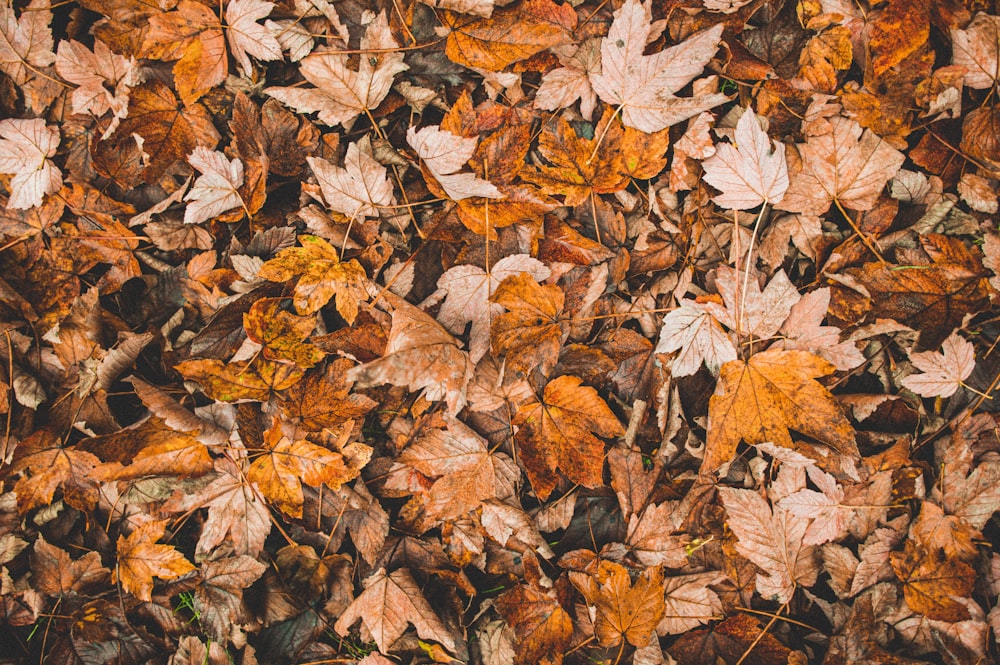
point(623, 610)
point(140, 559)
point(321, 277)
point(192, 36)
point(543, 628)
point(281, 333)
point(762, 399)
point(530, 332)
point(558, 432)
point(228, 382)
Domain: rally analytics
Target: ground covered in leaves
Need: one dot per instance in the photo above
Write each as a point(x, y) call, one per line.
point(536, 332)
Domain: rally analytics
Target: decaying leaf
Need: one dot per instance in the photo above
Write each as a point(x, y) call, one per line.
point(140, 559)
point(942, 373)
point(26, 147)
point(751, 171)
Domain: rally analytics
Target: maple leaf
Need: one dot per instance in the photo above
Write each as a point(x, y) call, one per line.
point(510, 34)
point(229, 382)
point(772, 541)
point(530, 332)
point(943, 373)
point(58, 575)
point(644, 85)
point(387, 604)
point(236, 515)
point(748, 310)
point(25, 149)
point(246, 36)
point(689, 602)
point(466, 472)
point(104, 79)
point(25, 41)
point(192, 36)
point(763, 398)
point(52, 467)
point(560, 431)
point(357, 189)
point(468, 290)
point(324, 399)
point(140, 559)
point(692, 330)
point(977, 49)
point(624, 611)
point(419, 354)
point(562, 86)
point(544, 630)
point(281, 333)
point(341, 93)
point(321, 276)
point(749, 173)
point(803, 330)
point(218, 598)
point(847, 164)
point(443, 153)
point(286, 463)
point(149, 450)
point(933, 585)
point(217, 189)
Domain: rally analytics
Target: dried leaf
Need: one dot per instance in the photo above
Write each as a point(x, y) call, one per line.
point(25, 149)
point(444, 153)
point(624, 611)
point(749, 172)
point(357, 189)
point(943, 373)
point(217, 188)
point(140, 559)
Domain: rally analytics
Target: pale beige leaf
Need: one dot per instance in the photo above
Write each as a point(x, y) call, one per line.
point(692, 330)
point(217, 189)
point(644, 85)
point(387, 605)
point(357, 189)
point(690, 602)
point(943, 373)
point(443, 154)
point(751, 311)
point(246, 36)
point(772, 541)
point(564, 85)
point(977, 48)
point(25, 149)
point(341, 93)
point(979, 193)
point(803, 330)
point(805, 232)
point(749, 171)
point(25, 42)
point(420, 354)
point(847, 164)
point(482, 8)
point(103, 79)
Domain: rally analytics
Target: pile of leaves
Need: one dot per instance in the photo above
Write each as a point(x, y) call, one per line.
point(520, 332)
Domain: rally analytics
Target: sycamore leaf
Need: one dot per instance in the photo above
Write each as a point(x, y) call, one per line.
point(624, 611)
point(219, 596)
point(324, 399)
point(341, 93)
point(692, 330)
point(562, 86)
point(25, 41)
point(977, 48)
point(762, 399)
point(804, 330)
point(229, 382)
point(282, 334)
point(285, 463)
point(468, 290)
point(690, 602)
point(973, 497)
point(530, 332)
point(53, 467)
point(443, 153)
point(644, 85)
point(772, 541)
point(246, 36)
point(749, 172)
point(543, 629)
point(847, 164)
point(58, 575)
point(560, 431)
point(140, 559)
point(25, 149)
point(357, 189)
point(515, 32)
point(321, 276)
point(217, 189)
point(752, 312)
point(193, 37)
point(466, 472)
point(419, 354)
point(387, 605)
point(943, 373)
point(236, 515)
point(933, 585)
point(103, 77)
